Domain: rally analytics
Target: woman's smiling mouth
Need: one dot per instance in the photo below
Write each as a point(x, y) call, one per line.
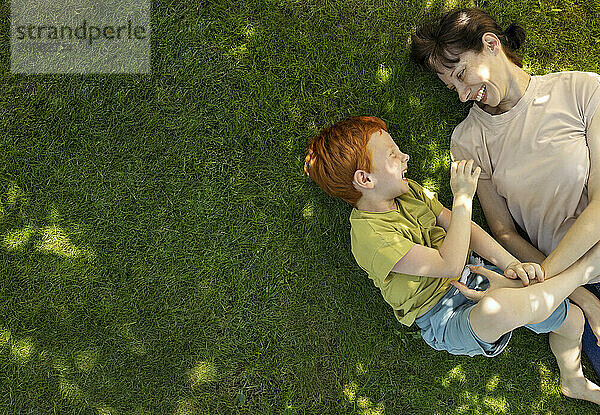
point(481, 94)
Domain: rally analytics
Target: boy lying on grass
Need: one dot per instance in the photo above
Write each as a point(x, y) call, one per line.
point(415, 251)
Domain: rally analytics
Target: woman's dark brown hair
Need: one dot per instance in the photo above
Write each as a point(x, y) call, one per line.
point(438, 42)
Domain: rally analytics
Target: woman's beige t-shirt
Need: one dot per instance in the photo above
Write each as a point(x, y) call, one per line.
point(536, 154)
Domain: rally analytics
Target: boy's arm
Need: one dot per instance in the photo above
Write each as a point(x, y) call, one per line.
point(451, 257)
point(487, 247)
point(482, 243)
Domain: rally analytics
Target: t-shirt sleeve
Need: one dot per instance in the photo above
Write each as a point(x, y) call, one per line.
point(388, 254)
point(377, 247)
point(467, 143)
point(587, 92)
point(429, 197)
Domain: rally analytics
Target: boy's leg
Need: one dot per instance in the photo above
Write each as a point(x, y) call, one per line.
point(504, 309)
point(565, 343)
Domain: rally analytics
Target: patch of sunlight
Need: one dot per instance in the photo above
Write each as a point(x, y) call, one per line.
point(308, 211)
point(429, 4)
point(106, 410)
point(547, 383)
point(17, 239)
point(389, 106)
point(455, 374)
point(240, 51)
point(492, 384)
point(249, 31)
point(14, 194)
point(446, 160)
point(22, 349)
point(4, 337)
point(383, 74)
point(360, 368)
point(414, 102)
point(496, 404)
point(201, 373)
point(431, 185)
point(70, 390)
point(86, 360)
point(350, 391)
point(185, 407)
point(452, 4)
point(378, 410)
point(541, 100)
point(54, 240)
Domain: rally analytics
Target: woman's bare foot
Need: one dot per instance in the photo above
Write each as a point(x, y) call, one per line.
point(580, 388)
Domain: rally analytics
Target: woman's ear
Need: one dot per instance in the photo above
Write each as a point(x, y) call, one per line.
point(491, 42)
point(362, 180)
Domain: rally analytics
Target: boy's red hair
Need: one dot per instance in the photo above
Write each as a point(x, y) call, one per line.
point(337, 152)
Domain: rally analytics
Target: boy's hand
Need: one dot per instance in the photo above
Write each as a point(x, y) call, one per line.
point(463, 180)
point(526, 271)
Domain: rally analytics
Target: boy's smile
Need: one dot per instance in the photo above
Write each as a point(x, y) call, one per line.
point(387, 180)
point(388, 165)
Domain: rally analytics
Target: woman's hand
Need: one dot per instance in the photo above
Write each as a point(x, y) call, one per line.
point(526, 271)
point(463, 180)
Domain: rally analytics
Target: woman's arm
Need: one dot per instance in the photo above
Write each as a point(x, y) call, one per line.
point(585, 231)
point(502, 226)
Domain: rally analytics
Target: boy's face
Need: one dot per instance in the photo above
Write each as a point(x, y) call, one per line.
point(388, 165)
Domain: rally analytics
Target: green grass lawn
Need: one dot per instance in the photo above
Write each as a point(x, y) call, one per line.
point(162, 252)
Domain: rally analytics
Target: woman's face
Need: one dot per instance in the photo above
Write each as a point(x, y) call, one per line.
point(477, 76)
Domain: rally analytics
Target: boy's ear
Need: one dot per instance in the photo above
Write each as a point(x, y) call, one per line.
point(362, 180)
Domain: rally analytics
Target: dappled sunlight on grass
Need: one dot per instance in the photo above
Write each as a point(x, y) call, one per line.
point(455, 374)
point(86, 360)
point(548, 382)
point(25, 351)
point(474, 403)
point(17, 240)
point(14, 195)
point(70, 391)
point(383, 74)
point(50, 239)
point(4, 337)
point(106, 410)
point(364, 404)
point(186, 407)
point(201, 373)
point(308, 211)
point(431, 184)
point(22, 350)
point(492, 384)
point(55, 241)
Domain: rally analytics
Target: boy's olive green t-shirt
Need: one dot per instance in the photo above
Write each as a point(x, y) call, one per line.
point(380, 239)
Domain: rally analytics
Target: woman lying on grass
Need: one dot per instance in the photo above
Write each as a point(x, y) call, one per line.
point(535, 138)
point(415, 251)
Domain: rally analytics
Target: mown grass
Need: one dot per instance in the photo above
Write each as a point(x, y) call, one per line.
point(163, 253)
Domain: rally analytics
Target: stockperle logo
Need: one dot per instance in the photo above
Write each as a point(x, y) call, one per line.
point(62, 36)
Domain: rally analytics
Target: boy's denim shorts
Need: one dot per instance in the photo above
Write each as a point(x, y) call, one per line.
point(446, 326)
